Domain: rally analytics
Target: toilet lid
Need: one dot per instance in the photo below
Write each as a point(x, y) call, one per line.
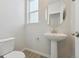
point(15, 54)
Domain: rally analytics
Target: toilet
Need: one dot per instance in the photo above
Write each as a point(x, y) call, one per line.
point(15, 54)
point(7, 47)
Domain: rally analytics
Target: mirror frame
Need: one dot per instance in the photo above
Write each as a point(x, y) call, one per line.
point(47, 16)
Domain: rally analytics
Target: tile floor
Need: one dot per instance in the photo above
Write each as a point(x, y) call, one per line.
point(30, 54)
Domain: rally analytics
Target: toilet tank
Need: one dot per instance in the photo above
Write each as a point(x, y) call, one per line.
point(6, 46)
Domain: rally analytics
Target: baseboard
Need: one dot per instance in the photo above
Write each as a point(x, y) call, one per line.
point(46, 55)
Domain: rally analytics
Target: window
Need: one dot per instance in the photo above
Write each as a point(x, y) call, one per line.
point(32, 11)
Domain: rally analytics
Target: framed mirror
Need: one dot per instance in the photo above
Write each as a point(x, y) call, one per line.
point(55, 12)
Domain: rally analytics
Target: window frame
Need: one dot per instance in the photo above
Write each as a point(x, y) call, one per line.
point(31, 12)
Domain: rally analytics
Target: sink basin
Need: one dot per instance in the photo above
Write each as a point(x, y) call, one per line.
point(55, 36)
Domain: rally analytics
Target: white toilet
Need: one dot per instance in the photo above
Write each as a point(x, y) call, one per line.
point(7, 47)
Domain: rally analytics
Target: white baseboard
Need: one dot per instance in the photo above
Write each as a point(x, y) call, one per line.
point(46, 55)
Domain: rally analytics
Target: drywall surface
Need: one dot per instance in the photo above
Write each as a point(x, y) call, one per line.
point(12, 21)
point(35, 39)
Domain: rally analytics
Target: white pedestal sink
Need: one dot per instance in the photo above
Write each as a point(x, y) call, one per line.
point(54, 37)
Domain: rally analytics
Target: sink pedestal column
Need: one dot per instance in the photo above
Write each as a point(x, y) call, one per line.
point(53, 49)
point(54, 37)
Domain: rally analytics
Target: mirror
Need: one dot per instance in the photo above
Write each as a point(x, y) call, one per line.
point(55, 12)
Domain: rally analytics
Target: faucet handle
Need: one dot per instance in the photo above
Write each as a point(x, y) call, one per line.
point(76, 34)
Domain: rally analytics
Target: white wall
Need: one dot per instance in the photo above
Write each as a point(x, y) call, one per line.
point(12, 21)
point(33, 31)
point(66, 26)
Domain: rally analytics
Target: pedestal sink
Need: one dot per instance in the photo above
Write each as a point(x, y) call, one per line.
point(54, 37)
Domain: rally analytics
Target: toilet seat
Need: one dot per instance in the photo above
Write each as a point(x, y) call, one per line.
point(15, 54)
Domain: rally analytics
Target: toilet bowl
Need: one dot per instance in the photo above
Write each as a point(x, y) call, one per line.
point(7, 49)
point(15, 54)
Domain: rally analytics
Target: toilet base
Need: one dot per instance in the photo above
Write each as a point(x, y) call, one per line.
point(15, 54)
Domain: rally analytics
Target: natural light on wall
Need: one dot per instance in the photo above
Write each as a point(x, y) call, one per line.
point(32, 11)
